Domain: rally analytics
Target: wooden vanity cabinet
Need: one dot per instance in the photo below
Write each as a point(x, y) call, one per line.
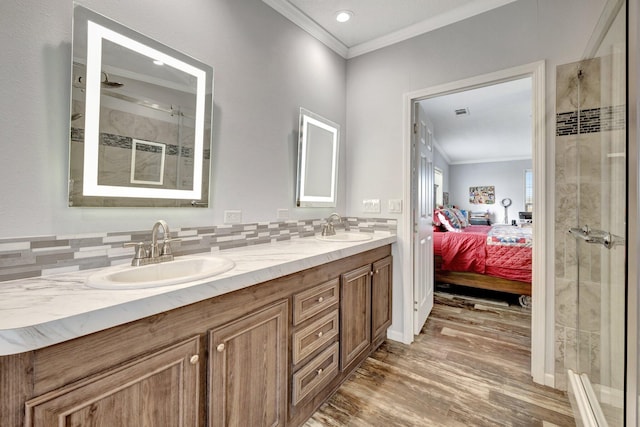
point(381, 298)
point(355, 307)
point(161, 388)
point(365, 309)
point(248, 370)
point(266, 355)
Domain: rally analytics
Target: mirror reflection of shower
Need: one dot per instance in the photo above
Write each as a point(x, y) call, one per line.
point(109, 83)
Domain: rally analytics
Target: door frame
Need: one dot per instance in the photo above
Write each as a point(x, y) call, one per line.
point(542, 313)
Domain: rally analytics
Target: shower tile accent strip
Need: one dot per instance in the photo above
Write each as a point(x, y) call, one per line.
point(592, 120)
point(126, 142)
point(22, 258)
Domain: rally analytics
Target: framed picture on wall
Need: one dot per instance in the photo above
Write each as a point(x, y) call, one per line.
point(445, 198)
point(482, 195)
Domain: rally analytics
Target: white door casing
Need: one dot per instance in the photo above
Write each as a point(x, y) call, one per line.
point(542, 315)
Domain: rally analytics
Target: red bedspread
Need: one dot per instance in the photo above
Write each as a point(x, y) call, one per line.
point(465, 251)
point(468, 251)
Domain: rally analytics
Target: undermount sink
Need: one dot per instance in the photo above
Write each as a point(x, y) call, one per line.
point(345, 237)
point(180, 270)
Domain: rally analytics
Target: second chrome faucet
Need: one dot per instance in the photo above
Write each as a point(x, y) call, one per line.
point(328, 228)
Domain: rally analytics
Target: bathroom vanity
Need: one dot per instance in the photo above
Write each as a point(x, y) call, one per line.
point(263, 344)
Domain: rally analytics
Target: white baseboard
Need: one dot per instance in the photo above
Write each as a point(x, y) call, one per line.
point(397, 336)
point(550, 380)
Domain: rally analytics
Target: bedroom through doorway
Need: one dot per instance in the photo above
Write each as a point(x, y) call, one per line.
point(487, 135)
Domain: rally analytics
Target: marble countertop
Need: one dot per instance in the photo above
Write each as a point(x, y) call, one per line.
point(38, 312)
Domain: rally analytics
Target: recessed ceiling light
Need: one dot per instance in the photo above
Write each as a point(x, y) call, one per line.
point(344, 15)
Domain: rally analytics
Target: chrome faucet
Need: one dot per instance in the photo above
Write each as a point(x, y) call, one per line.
point(154, 253)
point(166, 247)
point(328, 228)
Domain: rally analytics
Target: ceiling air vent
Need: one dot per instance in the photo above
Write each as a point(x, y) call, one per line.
point(462, 112)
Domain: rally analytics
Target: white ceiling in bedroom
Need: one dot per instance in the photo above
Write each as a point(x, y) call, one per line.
point(497, 128)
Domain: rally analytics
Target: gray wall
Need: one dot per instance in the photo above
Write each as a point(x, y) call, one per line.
point(506, 177)
point(265, 68)
point(519, 33)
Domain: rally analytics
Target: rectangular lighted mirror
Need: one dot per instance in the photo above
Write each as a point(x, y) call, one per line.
point(317, 161)
point(141, 118)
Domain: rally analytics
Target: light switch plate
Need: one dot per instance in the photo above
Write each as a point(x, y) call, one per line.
point(233, 217)
point(371, 205)
point(395, 206)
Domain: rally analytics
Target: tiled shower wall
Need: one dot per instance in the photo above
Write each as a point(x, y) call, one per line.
point(117, 130)
point(589, 170)
point(22, 258)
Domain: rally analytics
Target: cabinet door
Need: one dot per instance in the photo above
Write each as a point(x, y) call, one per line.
point(355, 316)
point(161, 389)
point(248, 371)
point(381, 289)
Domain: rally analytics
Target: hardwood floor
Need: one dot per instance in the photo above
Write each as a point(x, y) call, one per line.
point(468, 367)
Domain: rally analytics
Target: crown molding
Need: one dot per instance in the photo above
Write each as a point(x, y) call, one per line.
point(425, 26)
point(294, 14)
point(491, 160)
point(289, 11)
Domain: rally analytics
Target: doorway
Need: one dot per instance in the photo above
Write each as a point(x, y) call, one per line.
point(541, 318)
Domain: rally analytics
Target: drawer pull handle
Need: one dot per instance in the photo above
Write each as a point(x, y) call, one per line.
point(320, 371)
point(194, 359)
point(220, 348)
point(320, 334)
point(320, 299)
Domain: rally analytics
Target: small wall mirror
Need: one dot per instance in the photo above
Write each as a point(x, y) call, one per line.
point(317, 161)
point(141, 119)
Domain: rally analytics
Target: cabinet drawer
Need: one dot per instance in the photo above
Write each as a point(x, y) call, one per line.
point(314, 336)
point(314, 300)
point(312, 377)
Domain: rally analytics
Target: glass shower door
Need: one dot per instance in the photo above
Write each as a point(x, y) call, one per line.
point(598, 138)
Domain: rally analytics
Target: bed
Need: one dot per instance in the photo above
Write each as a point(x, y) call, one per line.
point(495, 257)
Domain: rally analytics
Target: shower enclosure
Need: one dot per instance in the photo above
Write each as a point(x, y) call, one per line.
point(591, 171)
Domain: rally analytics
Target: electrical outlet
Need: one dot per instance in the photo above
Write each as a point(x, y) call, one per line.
point(395, 206)
point(233, 217)
point(283, 214)
point(371, 205)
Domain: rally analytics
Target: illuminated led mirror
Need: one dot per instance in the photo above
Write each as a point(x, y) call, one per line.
point(140, 119)
point(317, 161)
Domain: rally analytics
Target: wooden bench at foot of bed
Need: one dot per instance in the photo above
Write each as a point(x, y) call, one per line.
point(481, 281)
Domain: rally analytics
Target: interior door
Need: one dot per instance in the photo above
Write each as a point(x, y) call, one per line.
point(422, 212)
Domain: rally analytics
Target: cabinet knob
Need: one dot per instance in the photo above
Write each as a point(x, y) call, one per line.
point(320, 371)
point(377, 271)
point(320, 299)
point(220, 348)
point(194, 359)
point(320, 334)
point(371, 273)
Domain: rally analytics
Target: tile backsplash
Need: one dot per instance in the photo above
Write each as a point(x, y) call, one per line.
point(21, 258)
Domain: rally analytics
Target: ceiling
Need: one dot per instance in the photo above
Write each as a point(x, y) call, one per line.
point(377, 23)
point(498, 127)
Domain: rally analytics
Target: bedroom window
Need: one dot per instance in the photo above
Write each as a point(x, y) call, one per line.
point(437, 185)
point(528, 190)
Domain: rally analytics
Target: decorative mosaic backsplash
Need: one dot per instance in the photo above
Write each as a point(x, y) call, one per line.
point(22, 258)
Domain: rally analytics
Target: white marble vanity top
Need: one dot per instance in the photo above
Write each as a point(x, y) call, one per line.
point(38, 312)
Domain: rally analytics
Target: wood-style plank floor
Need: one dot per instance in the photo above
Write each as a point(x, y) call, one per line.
point(469, 367)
